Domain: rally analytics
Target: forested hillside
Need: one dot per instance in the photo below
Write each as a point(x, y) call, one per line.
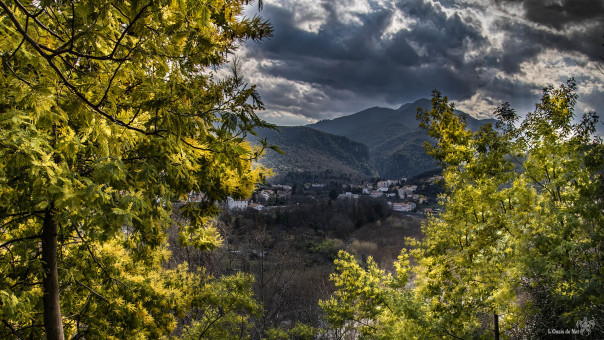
point(310, 155)
point(375, 142)
point(393, 137)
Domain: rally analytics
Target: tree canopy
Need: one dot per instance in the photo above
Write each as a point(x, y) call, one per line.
point(517, 250)
point(110, 112)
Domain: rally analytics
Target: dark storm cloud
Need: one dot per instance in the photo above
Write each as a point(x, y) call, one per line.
point(559, 14)
point(355, 57)
point(348, 60)
point(562, 16)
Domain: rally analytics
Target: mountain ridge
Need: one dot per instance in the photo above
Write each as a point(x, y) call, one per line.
point(393, 136)
point(373, 142)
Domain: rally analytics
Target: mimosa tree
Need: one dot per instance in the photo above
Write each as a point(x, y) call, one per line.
point(518, 249)
point(109, 112)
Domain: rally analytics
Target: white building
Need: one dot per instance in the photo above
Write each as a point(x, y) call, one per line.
point(383, 184)
point(265, 194)
point(402, 193)
point(409, 189)
point(376, 194)
point(239, 205)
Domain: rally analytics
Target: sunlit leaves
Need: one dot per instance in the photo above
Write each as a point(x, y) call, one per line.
point(222, 308)
point(372, 304)
point(519, 239)
point(110, 113)
point(513, 211)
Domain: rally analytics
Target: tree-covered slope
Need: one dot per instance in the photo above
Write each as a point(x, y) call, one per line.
point(373, 142)
point(392, 135)
point(312, 155)
point(402, 155)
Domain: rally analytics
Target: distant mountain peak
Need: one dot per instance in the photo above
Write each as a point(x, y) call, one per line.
point(392, 136)
point(423, 103)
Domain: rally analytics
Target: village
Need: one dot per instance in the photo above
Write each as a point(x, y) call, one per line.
point(416, 195)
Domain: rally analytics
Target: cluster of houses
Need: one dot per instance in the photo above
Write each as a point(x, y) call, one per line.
point(391, 189)
point(278, 190)
point(263, 195)
point(400, 196)
point(232, 204)
point(404, 207)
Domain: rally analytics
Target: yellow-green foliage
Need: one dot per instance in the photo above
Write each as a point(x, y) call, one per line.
point(519, 207)
point(221, 308)
point(519, 238)
point(299, 331)
point(370, 303)
point(109, 113)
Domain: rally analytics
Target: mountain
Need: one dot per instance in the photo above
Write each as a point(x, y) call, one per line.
point(312, 155)
point(375, 125)
point(374, 142)
point(402, 155)
point(393, 137)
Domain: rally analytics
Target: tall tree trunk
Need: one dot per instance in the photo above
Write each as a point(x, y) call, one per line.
point(496, 326)
point(53, 323)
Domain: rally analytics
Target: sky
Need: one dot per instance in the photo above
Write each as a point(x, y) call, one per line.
point(330, 58)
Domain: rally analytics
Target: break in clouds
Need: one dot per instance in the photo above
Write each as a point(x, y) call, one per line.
point(333, 57)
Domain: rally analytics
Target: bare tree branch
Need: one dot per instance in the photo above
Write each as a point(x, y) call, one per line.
point(12, 329)
point(35, 17)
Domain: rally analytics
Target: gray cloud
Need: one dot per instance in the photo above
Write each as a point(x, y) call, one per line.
point(560, 14)
point(332, 59)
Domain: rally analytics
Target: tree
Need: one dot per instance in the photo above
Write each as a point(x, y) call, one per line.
point(222, 309)
point(333, 194)
point(517, 249)
point(371, 304)
point(522, 213)
point(109, 114)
